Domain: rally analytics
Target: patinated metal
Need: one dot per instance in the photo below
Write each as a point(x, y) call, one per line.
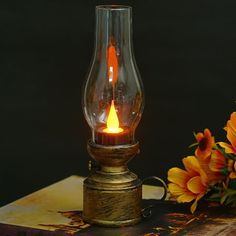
point(112, 193)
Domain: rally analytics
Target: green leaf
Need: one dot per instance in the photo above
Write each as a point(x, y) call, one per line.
point(232, 184)
point(230, 156)
point(230, 200)
point(193, 145)
point(229, 197)
point(214, 195)
point(222, 200)
point(225, 171)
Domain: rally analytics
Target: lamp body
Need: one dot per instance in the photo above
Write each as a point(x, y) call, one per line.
point(113, 102)
point(112, 193)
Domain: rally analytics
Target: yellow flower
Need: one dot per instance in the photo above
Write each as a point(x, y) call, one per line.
point(190, 184)
point(231, 135)
point(205, 144)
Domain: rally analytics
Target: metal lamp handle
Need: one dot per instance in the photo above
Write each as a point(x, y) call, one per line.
point(147, 211)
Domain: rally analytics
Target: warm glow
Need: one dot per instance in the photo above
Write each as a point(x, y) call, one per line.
point(112, 65)
point(112, 121)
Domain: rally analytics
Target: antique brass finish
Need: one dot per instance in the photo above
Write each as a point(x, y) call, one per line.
point(112, 193)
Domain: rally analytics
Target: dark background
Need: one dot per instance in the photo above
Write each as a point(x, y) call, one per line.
point(186, 54)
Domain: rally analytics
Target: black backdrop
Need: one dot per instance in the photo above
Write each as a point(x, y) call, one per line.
point(186, 53)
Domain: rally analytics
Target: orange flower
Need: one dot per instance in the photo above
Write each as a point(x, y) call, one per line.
point(231, 135)
point(190, 184)
point(220, 164)
point(205, 144)
point(217, 162)
point(232, 169)
point(214, 176)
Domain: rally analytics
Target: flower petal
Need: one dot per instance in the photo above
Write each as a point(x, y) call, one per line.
point(194, 205)
point(191, 164)
point(195, 185)
point(231, 137)
point(194, 168)
point(199, 136)
point(209, 176)
point(230, 126)
point(233, 120)
point(175, 189)
point(186, 197)
point(232, 175)
point(178, 176)
point(203, 154)
point(217, 162)
point(228, 148)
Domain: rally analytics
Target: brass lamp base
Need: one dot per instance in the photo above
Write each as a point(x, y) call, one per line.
point(112, 193)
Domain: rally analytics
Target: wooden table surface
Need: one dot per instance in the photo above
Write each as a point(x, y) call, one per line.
point(56, 210)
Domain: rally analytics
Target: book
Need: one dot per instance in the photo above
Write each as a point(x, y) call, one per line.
point(56, 210)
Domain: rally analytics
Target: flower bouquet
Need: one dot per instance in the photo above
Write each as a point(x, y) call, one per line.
point(210, 173)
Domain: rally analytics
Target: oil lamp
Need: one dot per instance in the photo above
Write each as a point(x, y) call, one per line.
point(113, 102)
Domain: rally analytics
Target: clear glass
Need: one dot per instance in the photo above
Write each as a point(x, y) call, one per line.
point(113, 79)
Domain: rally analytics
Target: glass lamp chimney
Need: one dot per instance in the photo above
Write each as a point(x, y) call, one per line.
point(113, 98)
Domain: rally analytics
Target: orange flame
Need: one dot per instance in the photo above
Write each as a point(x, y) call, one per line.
point(112, 121)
